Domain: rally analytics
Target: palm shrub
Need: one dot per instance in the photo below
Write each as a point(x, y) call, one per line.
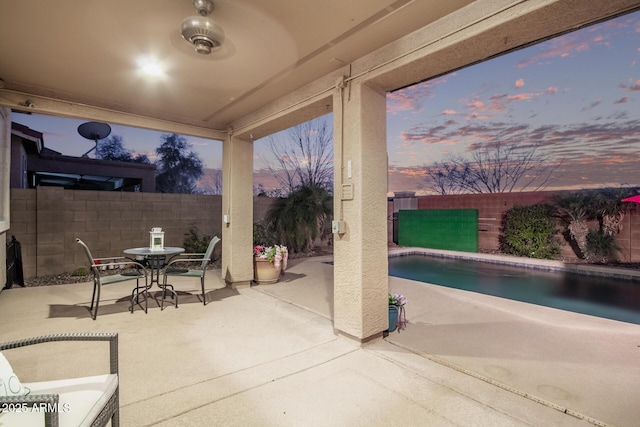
point(529, 231)
point(297, 220)
point(601, 246)
point(605, 205)
point(610, 209)
point(576, 209)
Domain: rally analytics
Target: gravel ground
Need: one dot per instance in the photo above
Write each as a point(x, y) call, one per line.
point(65, 278)
point(58, 279)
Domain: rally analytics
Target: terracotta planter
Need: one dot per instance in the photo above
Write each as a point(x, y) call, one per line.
point(265, 272)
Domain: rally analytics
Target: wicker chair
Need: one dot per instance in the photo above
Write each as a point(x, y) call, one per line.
point(130, 270)
point(87, 401)
point(178, 268)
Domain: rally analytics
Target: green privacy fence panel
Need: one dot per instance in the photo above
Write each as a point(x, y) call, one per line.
point(452, 229)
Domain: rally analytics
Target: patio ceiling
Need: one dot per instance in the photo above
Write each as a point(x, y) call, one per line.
point(80, 58)
point(87, 51)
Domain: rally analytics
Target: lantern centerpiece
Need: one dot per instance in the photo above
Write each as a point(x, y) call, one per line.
point(156, 239)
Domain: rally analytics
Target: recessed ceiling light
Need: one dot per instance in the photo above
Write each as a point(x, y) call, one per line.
point(150, 67)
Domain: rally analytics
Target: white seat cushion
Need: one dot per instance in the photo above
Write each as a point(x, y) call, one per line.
point(9, 383)
point(81, 400)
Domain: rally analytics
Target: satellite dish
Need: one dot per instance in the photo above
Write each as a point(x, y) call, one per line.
point(94, 131)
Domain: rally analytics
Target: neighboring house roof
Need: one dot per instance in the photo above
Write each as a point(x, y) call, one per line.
point(51, 168)
point(33, 141)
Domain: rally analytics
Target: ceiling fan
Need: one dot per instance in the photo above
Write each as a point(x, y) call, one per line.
point(202, 32)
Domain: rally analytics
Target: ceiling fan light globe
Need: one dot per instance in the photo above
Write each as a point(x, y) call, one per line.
point(203, 33)
point(203, 46)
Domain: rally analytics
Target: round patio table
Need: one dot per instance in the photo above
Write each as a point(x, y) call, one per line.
point(157, 259)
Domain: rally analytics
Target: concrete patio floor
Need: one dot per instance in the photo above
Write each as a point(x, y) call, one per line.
point(268, 356)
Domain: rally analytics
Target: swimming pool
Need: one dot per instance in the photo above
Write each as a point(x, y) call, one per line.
point(611, 298)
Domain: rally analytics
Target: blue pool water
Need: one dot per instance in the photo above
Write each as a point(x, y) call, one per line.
point(611, 298)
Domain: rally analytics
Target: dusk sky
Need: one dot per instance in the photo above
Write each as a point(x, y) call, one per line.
point(577, 97)
point(61, 134)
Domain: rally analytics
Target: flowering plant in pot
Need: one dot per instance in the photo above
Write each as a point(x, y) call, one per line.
point(269, 262)
point(269, 258)
point(397, 300)
point(397, 317)
point(276, 254)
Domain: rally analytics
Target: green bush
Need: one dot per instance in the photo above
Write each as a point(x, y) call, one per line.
point(80, 271)
point(193, 243)
point(529, 231)
point(601, 247)
point(262, 236)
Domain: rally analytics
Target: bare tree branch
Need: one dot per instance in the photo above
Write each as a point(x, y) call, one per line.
point(493, 168)
point(305, 157)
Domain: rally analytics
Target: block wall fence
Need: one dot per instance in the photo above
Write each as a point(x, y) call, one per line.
point(47, 220)
point(491, 207)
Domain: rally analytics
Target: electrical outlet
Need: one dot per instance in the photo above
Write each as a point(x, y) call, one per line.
point(338, 227)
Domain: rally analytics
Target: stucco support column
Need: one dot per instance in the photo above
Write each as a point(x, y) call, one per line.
point(360, 202)
point(237, 211)
point(5, 169)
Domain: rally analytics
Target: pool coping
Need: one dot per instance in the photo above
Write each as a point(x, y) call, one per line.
point(541, 264)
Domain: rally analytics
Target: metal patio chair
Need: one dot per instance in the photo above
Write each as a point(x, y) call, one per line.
point(179, 267)
point(129, 270)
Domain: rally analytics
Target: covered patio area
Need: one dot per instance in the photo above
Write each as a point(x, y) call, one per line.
point(270, 355)
point(339, 57)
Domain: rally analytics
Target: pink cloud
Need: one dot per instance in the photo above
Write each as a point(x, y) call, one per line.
point(412, 171)
point(612, 145)
point(551, 90)
point(581, 47)
point(561, 47)
point(475, 115)
point(402, 101)
point(449, 112)
point(410, 138)
point(573, 43)
point(523, 96)
point(633, 87)
point(498, 103)
point(411, 97)
point(519, 82)
point(476, 104)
